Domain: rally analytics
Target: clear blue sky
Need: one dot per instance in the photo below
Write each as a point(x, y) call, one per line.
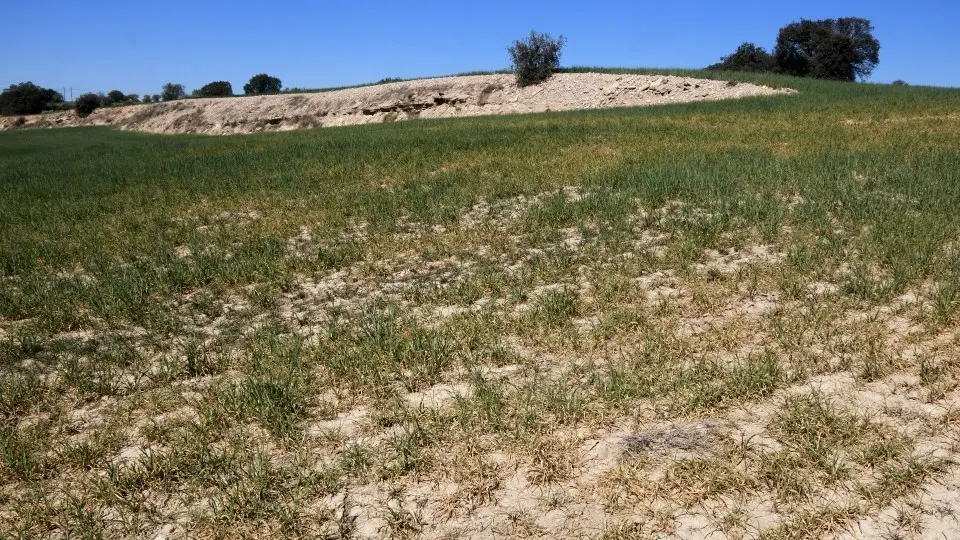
point(136, 46)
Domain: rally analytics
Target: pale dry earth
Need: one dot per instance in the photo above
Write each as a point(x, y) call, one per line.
point(858, 438)
point(444, 97)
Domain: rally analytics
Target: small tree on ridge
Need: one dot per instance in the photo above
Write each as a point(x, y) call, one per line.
point(535, 58)
point(172, 91)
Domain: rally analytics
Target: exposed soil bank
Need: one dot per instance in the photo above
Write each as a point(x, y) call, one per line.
point(426, 98)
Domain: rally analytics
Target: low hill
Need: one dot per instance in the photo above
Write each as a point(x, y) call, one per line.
point(472, 95)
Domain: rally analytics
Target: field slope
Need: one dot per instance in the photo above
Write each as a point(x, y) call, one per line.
point(734, 318)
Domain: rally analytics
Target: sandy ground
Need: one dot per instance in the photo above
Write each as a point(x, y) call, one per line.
point(731, 470)
point(427, 98)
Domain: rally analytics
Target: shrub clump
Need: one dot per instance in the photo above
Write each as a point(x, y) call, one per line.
point(172, 92)
point(115, 96)
point(87, 103)
point(216, 89)
point(747, 57)
point(535, 58)
point(262, 84)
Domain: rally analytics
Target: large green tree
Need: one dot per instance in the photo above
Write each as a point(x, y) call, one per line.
point(27, 98)
point(216, 89)
point(262, 84)
point(842, 49)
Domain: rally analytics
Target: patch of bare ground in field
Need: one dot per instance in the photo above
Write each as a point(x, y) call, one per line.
point(425, 98)
point(517, 373)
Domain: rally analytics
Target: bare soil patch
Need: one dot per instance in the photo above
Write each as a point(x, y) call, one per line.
point(445, 97)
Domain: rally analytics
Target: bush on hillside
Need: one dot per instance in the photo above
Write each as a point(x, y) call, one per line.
point(747, 57)
point(156, 98)
point(27, 98)
point(216, 89)
point(87, 103)
point(387, 80)
point(146, 98)
point(115, 96)
point(172, 92)
point(900, 82)
point(535, 58)
point(262, 84)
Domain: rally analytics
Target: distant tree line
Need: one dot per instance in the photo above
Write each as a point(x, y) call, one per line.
point(87, 103)
point(841, 49)
point(28, 98)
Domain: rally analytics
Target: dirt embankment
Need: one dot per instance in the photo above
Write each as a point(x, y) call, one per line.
point(426, 98)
